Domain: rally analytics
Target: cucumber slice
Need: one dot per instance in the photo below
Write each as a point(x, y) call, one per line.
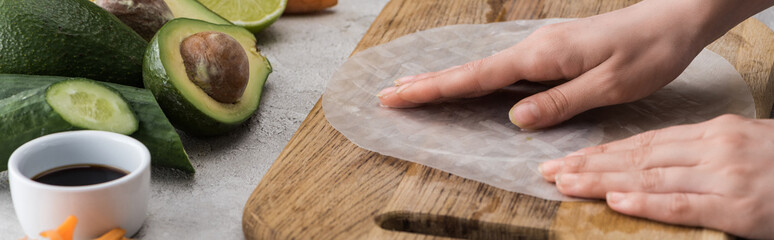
point(91, 105)
point(155, 131)
point(72, 104)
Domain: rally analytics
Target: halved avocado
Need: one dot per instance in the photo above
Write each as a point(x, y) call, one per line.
point(185, 103)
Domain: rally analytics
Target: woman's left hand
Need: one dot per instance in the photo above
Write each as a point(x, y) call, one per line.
point(717, 174)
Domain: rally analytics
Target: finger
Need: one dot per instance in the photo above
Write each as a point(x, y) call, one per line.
point(560, 103)
point(387, 98)
point(683, 154)
point(476, 77)
point(653, 137)
point(676, 208)
point(657, 180)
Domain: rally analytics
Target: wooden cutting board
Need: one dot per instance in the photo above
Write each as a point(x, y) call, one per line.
point(322, 186)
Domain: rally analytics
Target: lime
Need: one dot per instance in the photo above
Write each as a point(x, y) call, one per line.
point(255, 15)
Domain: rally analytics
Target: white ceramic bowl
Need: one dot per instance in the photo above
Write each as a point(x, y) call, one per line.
point(100, 207)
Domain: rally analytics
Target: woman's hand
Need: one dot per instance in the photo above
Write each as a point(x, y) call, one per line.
point(613, 58)
point(717, 174)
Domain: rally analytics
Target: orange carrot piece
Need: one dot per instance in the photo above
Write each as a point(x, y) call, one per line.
point(115, 234)
point(52, 235)
point(306, 6)
point(67, 229)
point(64, 231)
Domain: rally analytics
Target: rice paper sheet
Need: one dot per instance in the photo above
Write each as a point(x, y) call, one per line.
point(474, 139)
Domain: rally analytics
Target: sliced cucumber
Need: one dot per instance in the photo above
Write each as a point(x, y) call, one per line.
point(91, 105)
point(154, 131)
point(67, 105)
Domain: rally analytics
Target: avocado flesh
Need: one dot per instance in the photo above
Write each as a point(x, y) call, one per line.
point(194, 10)
point(73, 38)
point(186, 105)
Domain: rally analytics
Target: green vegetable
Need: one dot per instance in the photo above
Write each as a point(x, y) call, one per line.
point(154, 131)
point(88, 104)
point(67, 105)
point(188, 106)
point(73, 38)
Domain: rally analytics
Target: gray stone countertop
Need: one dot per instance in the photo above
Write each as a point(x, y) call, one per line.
point(305, 50)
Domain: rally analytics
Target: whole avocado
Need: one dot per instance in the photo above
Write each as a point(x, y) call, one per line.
point(74, 38)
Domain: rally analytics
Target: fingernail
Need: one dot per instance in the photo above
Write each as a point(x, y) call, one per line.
point(403, 87)
point(525, 114)
point(566, 180)
point(385, 92)
point(614, 198)
point(550, 167)
point(403, 80)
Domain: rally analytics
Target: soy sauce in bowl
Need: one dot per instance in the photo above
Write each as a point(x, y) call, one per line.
point(79, 175)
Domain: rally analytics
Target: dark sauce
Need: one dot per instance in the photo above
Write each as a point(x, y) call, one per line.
point(79, 175)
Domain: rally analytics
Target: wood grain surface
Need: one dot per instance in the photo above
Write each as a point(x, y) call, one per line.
point(322, 186)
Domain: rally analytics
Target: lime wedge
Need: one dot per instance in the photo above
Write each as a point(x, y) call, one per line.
point(255, 15)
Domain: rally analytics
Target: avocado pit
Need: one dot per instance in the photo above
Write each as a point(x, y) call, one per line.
point(217, 64)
